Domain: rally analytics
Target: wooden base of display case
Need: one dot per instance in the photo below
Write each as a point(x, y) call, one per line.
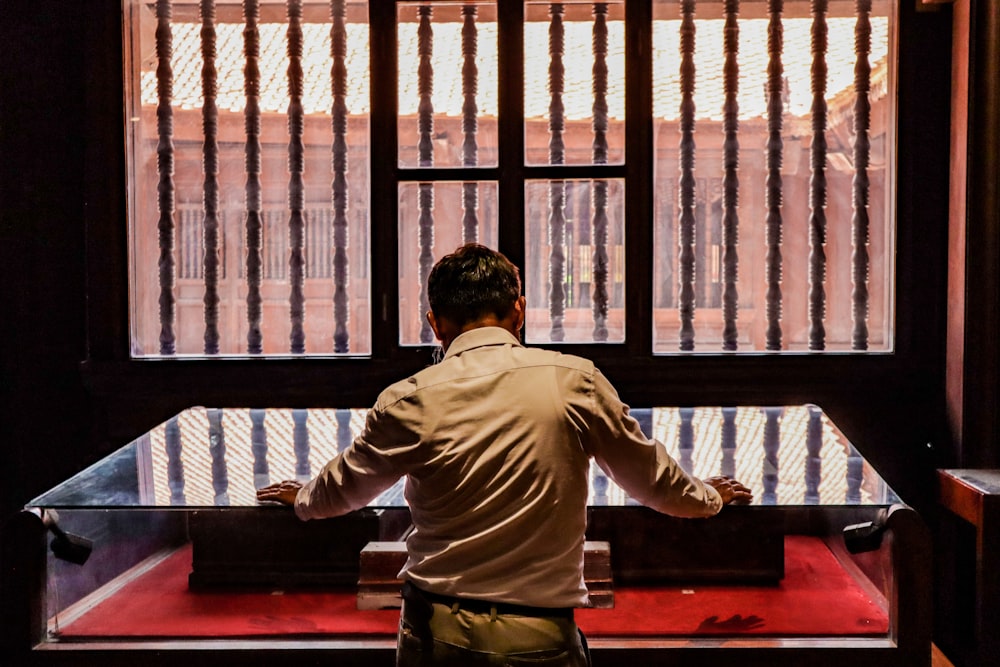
point(379, 587)
point(271, 547)
point(740, 545)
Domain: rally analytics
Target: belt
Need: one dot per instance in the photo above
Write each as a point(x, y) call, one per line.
point(488, 607)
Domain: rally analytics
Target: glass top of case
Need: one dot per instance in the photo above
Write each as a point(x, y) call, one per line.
point(215, 457)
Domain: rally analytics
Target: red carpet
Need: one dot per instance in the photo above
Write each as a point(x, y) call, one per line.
point(817, 597)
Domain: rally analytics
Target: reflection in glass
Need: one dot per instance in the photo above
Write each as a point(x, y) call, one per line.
point(575, 261)
point(790, 456)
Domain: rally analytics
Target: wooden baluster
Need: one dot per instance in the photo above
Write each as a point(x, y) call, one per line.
point(217, 448)
point(338, 80)
point(817, 183)
point(296, 186)
point(300, 443)
point(599, 484)
point(645, 418)
point(685, 435)
point(557, 189)
point(344, 435)
point(686, 297)
point(165, 171)
point(814, 462)
point(470, 123)
point(855, 475)
point(728, 464)
point(860, 186)
point(210, 166)
point(175, 464)
point(258, 446)
point(772, 443)
point(425, 146)
point(730, 178)
point(775, 116)
point(254, 225)
point(599, 191)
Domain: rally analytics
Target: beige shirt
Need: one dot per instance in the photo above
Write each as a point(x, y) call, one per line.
point(495, 443)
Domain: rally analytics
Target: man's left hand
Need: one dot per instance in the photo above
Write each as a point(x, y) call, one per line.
point(732, 492)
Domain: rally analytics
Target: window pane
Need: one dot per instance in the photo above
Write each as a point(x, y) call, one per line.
point(434, 220)
point(447, 84)
point(574, 83)
point(249, 123)
point(794, 275)
point(576, 243)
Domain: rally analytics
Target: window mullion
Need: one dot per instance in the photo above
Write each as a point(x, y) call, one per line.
point(510, 22)
point(639, 178)
point(384, 185)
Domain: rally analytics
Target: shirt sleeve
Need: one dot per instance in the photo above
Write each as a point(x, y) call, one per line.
point(373, 462)
point(641, 466)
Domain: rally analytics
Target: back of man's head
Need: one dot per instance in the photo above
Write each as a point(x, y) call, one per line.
point(473, 282)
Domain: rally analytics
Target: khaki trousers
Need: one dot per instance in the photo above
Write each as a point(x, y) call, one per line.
point(434, 634)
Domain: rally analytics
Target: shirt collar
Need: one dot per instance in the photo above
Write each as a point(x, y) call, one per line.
point(480, 337)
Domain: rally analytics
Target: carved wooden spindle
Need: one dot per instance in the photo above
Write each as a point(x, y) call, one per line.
point(645, 418)
point(258, 447)
point(814, 462)
point(210, 161)
point(338, 79)
point(557, 75)
point(773, 193)
point(296, 185)
point(254, 224)
point(860, 188)
point(855, 476)
point(425, 224)
point(728, 446)
point(557, 189)
point(686, 296)
point(772, 443)
point(730, 178)
point(300, 443)
point(600, 187)
point(599, 484)
point(817, 183)
point(344, 435)
point(425, 148)
point(557, 259)
point(470, 123)
point(217, 450)
point(685, 436)
point(165, 171)
point(175, 464)
point(425, 87)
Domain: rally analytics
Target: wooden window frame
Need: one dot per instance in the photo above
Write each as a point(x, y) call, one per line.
point(867, 394)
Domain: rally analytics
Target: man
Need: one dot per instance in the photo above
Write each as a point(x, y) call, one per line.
point(495, 442)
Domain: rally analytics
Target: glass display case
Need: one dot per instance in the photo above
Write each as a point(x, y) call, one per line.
point(161, 548)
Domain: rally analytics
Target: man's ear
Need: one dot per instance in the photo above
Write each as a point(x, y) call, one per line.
point(434, 325)
point(520, 308)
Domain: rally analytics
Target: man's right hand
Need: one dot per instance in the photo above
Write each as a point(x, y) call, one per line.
point(282, 492)
point(732, 492)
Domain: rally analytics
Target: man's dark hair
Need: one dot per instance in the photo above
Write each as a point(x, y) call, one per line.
point(472, 282)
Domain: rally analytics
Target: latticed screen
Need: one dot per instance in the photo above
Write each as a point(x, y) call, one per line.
point(749, 143)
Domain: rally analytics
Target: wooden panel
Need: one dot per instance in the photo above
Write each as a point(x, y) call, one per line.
point(740, 545)
point(379, 587)
point(270, 547)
